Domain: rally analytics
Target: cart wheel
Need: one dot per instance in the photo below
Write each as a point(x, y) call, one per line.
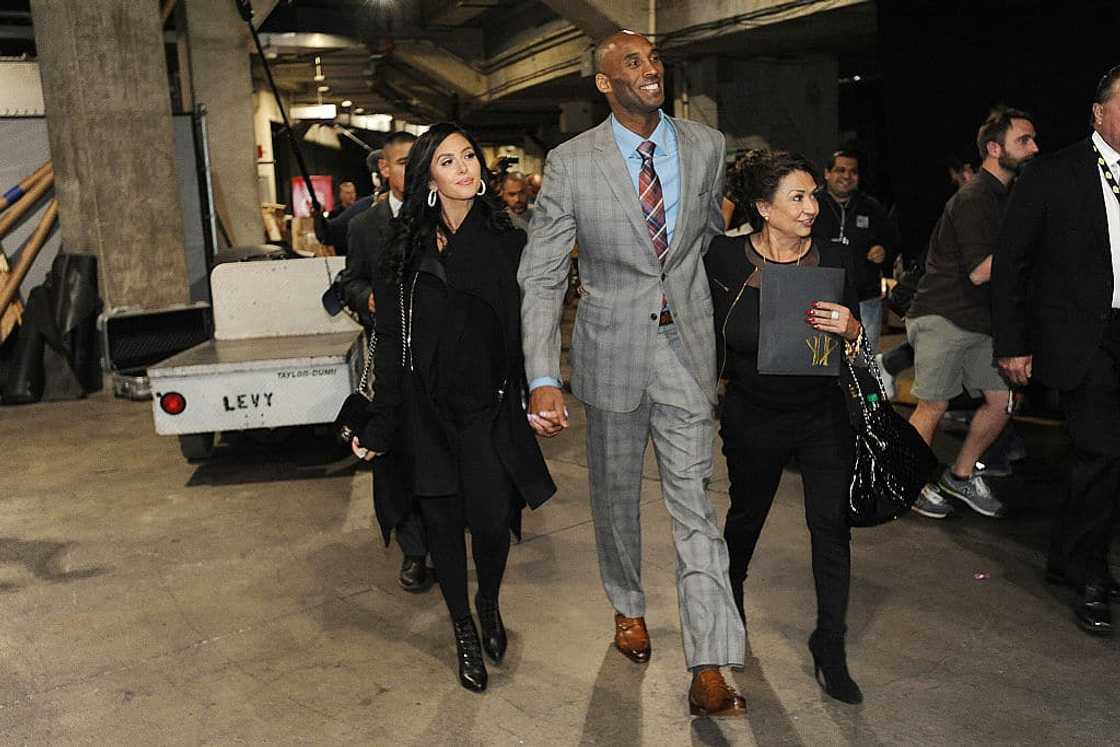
point(197, 446)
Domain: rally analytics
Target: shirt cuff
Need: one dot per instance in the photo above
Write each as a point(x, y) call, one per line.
point(544, 381)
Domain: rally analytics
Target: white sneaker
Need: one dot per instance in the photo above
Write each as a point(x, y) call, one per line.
point(888, 379)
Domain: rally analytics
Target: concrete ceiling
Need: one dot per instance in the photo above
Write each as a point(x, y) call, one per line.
point(469, 59)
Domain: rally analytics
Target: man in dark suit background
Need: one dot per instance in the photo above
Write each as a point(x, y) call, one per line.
point(367, 236)
point(370, 228)
point(1056, 318)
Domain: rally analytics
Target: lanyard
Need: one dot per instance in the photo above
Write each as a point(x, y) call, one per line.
point(842, 214)
point(1109, 177)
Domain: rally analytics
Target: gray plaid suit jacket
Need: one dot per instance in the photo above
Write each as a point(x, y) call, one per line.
point(587, 197)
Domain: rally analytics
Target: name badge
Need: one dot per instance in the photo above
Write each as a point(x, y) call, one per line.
point(862, 221)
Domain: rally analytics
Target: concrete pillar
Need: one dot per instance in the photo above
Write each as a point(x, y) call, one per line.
point(221, 80)
point(789, 104)
point(697, 91)
point(109, 121)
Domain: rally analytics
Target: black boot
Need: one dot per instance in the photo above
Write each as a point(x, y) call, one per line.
point(494, 639)
point(830, 665)
point(472, 668)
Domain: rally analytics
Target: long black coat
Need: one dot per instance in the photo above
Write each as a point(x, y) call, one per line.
point(1052, 268)
point(405, 422)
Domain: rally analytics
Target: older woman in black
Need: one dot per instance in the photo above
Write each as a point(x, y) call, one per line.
point(448, 408)
point(766, 420)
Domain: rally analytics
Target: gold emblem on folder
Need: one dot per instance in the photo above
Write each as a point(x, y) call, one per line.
point(821, 347)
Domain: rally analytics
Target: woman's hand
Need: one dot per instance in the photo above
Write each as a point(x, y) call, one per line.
point(366, 455)
point(835, 318)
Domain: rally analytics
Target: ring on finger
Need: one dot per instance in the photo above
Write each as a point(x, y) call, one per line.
point(834, 315)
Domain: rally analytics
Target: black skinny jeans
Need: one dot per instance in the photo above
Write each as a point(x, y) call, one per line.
point(484, 504)
point(758, 443)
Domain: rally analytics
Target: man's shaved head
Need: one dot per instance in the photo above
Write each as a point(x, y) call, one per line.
point(607, 45)
point(630, 75)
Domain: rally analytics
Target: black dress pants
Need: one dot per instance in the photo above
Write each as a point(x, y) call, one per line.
point(484, 504)
point(1083, 530)
point(758, 443)
point(410, 535)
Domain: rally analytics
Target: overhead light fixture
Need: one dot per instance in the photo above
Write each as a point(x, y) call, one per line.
point(347, 103)
point(359, 110)
point(322, 111)
point(856, 78)
point(324, 89)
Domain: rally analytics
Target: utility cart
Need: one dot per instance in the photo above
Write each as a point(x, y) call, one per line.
point(277, 359)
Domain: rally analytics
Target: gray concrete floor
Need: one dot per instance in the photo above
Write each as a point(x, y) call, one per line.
point(246, 600)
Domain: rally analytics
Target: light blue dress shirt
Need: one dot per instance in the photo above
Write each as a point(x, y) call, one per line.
point(667, 165)
point(665, 162)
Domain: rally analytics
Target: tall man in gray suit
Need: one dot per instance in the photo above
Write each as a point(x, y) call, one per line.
point(641, 194)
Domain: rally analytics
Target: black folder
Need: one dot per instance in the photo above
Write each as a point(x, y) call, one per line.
point(786, 344)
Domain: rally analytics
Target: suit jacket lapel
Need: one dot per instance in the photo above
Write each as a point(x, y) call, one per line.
point(686, 158)
point(617, 176)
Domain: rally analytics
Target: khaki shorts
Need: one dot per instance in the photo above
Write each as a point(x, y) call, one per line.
point(948, 359)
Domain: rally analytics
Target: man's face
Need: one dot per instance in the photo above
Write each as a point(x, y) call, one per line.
point(632, 76)
point(1106, 117)
point(393, 160)
point(843, 178)
point(347, 194)
point(1019, 145)
point(515, 195)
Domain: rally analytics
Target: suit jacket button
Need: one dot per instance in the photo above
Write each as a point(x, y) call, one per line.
point(653, 317)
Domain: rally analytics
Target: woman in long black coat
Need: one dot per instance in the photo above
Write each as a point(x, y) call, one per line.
point(449, 404)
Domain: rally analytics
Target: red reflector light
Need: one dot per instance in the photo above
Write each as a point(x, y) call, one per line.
point(172, 403)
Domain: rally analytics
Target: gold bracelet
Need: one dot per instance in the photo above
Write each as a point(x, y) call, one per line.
point(852, 347)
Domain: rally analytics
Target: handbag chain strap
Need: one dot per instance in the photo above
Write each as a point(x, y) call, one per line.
point(371, 350)
point(871, 365)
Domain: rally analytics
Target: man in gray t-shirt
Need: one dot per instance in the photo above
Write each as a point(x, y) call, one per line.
point(949, 322)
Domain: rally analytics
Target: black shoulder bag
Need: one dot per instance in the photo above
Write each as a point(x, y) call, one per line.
point(892, 461)
point(352, 418)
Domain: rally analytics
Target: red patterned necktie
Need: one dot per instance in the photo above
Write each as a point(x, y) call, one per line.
point(653, 202)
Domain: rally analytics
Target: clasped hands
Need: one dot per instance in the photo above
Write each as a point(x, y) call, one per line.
point(547, 413)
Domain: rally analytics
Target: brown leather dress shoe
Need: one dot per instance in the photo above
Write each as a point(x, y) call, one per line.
point(710, 695)
point(631, 638)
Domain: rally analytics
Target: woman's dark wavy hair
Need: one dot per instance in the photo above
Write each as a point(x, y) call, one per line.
point(756, 175)
point(416, 224)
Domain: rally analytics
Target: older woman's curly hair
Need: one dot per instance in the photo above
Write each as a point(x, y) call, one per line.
point(755, 176)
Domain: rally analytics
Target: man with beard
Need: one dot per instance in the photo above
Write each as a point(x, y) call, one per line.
point(1056, 318)
point(513, 189)
point(642, 192)
point(949, 323)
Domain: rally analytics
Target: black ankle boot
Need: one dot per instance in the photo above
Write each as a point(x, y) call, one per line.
point(830, 664)
point(494, 639)
point(472, 668)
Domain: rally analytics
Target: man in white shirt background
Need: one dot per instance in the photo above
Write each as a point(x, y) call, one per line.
point(1056, 319)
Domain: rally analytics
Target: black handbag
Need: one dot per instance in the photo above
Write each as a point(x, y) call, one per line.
point(892, 462)
point(352, 418)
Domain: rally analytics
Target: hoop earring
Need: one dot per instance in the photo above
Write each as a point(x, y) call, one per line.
point(431, 198)
point(481, 187)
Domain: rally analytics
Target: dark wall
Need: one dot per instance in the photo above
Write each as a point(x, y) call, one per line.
point(947, 62)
